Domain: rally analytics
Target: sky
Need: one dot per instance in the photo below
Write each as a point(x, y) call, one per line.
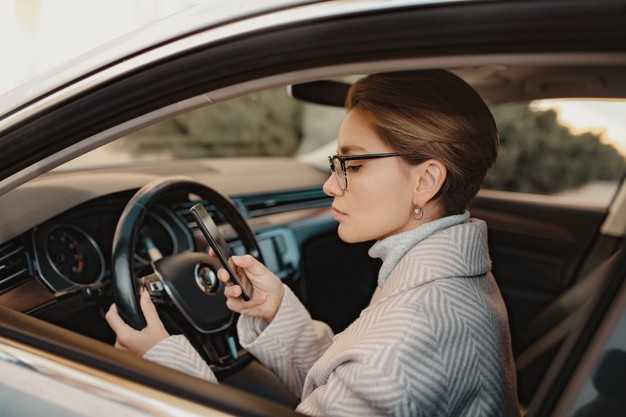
point(605, 118)
point(36, 35)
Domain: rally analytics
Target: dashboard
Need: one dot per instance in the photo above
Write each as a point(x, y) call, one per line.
point(66, 260)
point(57, 236)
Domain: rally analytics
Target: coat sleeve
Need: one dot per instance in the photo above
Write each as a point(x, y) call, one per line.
point(290, 344)
point(177, 353)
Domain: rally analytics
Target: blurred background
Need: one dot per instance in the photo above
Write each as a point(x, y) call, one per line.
point(36, 35)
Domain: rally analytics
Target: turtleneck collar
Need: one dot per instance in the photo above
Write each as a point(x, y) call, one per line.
point(391, 249)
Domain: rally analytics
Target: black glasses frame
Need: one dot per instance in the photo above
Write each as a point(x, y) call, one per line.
point(343, 180)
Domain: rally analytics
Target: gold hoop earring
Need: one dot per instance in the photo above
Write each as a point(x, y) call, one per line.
point(417, 213)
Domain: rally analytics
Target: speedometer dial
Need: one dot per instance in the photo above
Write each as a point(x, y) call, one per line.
point(74, 255)
point(156, 229)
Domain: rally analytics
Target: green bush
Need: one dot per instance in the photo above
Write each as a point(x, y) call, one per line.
point(539, 155)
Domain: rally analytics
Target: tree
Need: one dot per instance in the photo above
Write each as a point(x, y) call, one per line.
point(267, 123)
point(539, 155)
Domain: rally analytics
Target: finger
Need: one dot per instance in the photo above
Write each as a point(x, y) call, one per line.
point(236, 304)
point(115, 321)
point(253, 307)
point(245, 282)
point(249, 263)
point(224, 276)
point(148, 308)
point(233, 291)
point(119, 346)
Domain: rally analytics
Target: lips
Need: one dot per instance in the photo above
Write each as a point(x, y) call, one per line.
point(338, 213)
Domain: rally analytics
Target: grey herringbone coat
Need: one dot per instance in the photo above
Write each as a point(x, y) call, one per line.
point(434, 340)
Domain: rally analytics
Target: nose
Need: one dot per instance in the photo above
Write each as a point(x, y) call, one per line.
point(331, 187)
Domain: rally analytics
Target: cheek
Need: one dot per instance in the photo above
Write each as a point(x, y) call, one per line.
point(376, 212)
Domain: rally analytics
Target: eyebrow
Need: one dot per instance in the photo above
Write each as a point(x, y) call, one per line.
point(345, 150)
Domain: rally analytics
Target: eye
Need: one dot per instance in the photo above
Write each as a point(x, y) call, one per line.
point(353, 168)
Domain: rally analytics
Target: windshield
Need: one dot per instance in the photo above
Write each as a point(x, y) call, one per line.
point(268, 123)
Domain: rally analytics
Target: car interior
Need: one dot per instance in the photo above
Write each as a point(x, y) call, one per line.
point(73, 245)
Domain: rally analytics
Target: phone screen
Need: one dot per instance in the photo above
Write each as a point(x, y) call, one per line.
point(217, 242)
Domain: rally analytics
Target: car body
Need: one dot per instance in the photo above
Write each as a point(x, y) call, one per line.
point(558, 261)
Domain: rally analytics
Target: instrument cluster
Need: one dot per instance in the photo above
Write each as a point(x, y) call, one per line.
point(73, 250)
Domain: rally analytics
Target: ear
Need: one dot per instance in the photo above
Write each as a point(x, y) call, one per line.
point(429, 177)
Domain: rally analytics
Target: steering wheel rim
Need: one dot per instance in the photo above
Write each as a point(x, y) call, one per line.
point(125, 284)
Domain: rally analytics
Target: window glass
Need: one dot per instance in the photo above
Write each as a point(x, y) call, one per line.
point(568, 148)
point(572, 148)
point(267, 123)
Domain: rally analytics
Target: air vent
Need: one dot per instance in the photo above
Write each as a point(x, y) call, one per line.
point(182, 211)
point(260, 205)
point(13, 265)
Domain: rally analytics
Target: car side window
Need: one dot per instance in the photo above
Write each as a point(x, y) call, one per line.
point(563, 148)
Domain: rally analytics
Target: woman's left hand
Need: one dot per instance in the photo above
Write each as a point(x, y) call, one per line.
point(267, 289)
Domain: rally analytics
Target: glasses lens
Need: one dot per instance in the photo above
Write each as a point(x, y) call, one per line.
point(340, 173)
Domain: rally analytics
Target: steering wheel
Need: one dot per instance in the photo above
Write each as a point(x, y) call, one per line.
point(186, 280)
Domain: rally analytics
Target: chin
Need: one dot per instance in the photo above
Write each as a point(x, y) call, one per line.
point(344, 235)
point(349, 236)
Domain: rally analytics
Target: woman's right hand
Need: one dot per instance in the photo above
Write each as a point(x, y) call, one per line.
point(267, 289)
point(137, 341)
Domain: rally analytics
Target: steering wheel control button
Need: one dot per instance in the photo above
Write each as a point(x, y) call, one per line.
point(155, 287)
point(206, 279)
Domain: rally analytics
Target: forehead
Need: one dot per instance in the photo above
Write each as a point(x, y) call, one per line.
point(357, 135)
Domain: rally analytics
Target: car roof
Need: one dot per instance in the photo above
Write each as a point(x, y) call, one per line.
point(496, 83)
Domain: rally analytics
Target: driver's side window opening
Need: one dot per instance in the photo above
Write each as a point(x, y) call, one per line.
point(268, 123)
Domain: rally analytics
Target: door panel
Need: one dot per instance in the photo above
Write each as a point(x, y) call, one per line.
point(537, 247)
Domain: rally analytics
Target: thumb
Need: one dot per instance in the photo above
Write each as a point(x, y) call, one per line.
point(115, 321)
point(249, 263)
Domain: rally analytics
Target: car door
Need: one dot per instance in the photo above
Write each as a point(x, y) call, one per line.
point(545, 207)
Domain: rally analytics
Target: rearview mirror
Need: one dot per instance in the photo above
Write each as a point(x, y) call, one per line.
point(324, 92)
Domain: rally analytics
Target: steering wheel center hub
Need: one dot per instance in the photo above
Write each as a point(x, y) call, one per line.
point(207, 279)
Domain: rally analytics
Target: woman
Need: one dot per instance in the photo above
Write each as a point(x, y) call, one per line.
point(414, 148)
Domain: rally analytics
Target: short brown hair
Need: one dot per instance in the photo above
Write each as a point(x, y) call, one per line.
point(432, 114)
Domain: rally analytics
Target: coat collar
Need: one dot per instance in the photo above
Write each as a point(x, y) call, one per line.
point(391, 249)
point(451, 247)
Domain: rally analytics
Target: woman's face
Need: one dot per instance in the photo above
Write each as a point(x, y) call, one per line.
point(379, 198)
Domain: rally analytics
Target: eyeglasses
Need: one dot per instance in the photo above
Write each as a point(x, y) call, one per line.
point(338, 165)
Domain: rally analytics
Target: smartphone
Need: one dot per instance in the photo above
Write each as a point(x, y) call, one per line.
point(217, 242)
